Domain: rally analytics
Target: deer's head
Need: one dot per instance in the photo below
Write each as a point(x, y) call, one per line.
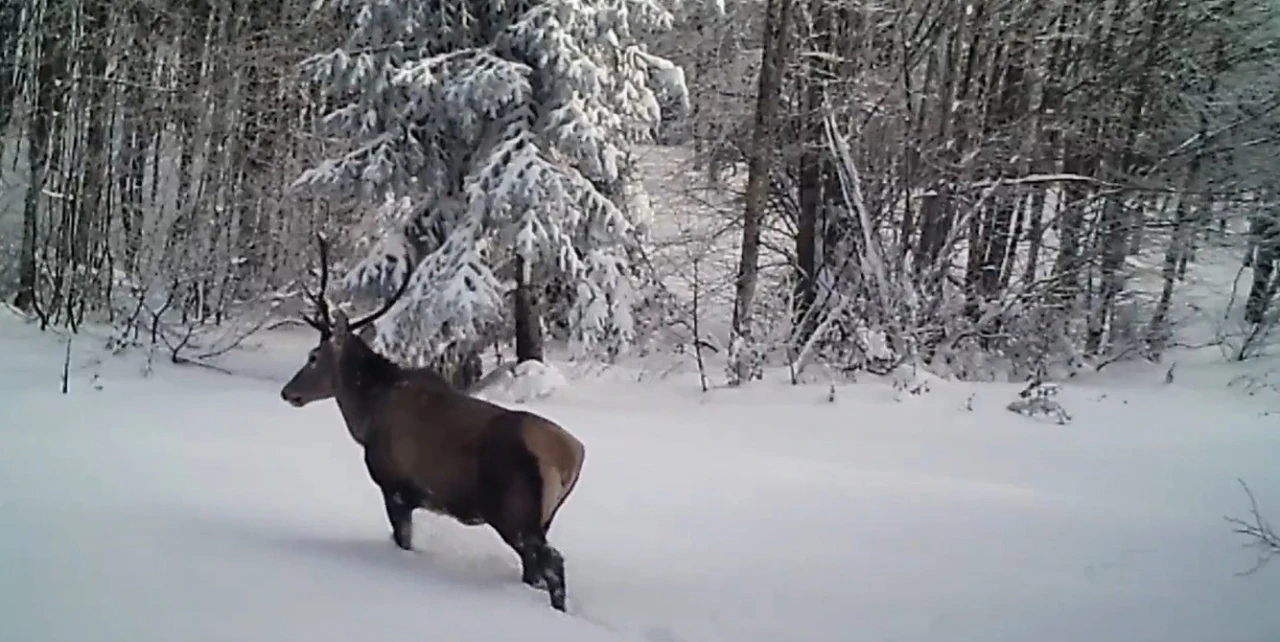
point(317, 379)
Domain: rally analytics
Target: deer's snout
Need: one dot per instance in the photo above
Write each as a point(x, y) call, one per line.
point(293, 398)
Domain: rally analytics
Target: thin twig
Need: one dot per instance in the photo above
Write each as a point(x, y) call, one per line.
point(1259, 531)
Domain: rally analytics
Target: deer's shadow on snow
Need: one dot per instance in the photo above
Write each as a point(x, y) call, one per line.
point(481, 569)
point(457, 558)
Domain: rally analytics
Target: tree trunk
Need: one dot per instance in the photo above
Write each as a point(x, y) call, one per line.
point(811, 195)
point(1266, 232)
point(1115, 221)
point(93, 209)
point(1158, 330)
point(49, 91)
point(528, 321)
point(759, 165)
point(11, 33)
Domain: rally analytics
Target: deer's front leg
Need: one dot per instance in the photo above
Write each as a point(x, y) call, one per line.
point(400, 514)
point(399, 504)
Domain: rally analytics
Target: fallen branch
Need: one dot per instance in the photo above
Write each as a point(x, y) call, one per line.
point(280, 323)
point(184, 361)
point(1262, 536)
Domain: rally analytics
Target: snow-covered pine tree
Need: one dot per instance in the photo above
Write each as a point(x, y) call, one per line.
point(492, 131)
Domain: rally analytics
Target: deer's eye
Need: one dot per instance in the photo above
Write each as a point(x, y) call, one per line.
point(311, 358)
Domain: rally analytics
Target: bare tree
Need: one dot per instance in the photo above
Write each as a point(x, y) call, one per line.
point(777, 27)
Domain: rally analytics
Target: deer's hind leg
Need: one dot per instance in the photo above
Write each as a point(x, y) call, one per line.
point(542, 565)
point(511, 501)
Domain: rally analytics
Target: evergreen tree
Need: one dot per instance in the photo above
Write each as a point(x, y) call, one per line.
point(493, 134)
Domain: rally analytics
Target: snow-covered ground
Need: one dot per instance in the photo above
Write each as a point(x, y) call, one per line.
point(192, 505)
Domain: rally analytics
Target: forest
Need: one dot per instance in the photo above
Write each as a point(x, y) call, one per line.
point(824, 320)
point(981, 188)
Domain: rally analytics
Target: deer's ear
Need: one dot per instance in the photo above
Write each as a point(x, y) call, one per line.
point(341, 325)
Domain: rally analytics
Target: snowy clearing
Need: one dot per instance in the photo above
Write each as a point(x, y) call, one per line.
point(193, 505)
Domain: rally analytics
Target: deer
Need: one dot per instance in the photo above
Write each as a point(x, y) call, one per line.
point(428, 445)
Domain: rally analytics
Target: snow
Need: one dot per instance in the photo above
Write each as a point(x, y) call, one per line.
point(197, 506)
point(527, 381)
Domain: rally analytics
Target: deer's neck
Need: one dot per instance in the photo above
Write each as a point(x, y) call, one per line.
point(364, 377)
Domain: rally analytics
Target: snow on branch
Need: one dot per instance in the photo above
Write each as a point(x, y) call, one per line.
point(572, 127)
point(336, 172)
point(452, 296)
point(383, 268)
point(1030, 179)
point(851, 185)
point(471, 85)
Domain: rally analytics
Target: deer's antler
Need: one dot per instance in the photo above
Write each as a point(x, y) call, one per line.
point(322, 321)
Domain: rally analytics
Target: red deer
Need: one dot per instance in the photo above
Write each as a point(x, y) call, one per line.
point(429, 445)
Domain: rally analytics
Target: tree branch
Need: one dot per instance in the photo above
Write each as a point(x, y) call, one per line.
point(1260, 532)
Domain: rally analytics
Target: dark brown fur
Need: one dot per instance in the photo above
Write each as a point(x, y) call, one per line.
point(428, 445)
